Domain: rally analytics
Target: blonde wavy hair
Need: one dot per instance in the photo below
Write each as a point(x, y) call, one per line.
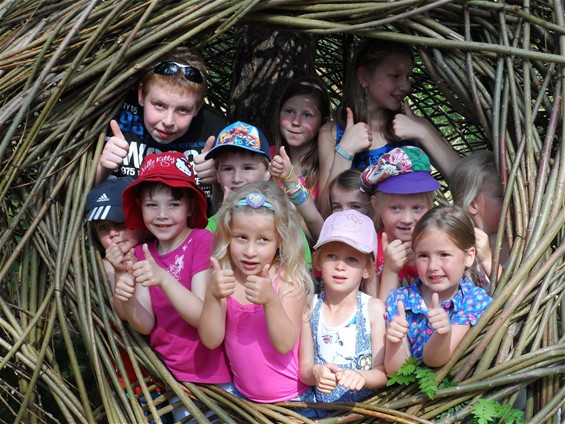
point(294, 273)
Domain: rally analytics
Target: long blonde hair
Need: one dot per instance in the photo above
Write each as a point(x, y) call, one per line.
point(294, 273)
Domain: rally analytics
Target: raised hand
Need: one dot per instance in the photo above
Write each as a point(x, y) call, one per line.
point(117, 254)
point(259, 288)
point(206, 169)
point(325, 375)
point(222, 283)
point(280, 166)
point(484, 254)
point(147, 272)
point(396, 253)
point(357, 137)
point(115, 149)
point(437, 317)
point(125, 286)
point(407, 126)
point(398, 328)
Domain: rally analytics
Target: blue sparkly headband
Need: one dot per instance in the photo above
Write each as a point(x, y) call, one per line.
point(255, 201)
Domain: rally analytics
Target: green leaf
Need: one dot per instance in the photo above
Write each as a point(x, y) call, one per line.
point(427, 381)
point(485, 411)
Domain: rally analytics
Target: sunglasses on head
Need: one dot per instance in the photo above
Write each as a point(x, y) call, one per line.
point(171, 68)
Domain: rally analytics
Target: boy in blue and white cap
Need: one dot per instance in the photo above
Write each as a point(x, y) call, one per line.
point(242, 156)
point(105, 215)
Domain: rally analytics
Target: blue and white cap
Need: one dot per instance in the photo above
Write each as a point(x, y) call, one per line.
point(104, 202)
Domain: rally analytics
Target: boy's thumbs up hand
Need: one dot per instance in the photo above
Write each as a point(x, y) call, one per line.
point(125, 286)
point(115, 149)
point(206, 169)
point(398, 328)
point(437, 317)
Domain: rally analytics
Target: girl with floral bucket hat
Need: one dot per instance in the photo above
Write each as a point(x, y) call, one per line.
point(403, 190)
point(162, 293)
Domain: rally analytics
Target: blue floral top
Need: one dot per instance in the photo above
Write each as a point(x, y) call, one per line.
point(464, 308)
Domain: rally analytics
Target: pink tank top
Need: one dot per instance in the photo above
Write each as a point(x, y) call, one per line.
point(259, 372)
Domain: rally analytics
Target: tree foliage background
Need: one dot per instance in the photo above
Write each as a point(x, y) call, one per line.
point(490, 74)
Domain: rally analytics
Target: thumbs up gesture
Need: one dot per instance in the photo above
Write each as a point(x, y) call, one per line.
point(115, 149)
point(147, 272)
point(437, 317)
point(398, 328)
point(206, 169)
point(357, 137)
point(281, 167)
point(408, 126)
point(125, 286)
point(222, 283)
point(259, 288)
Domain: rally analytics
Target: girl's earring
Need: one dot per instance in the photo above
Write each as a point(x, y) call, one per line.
point(365, 93)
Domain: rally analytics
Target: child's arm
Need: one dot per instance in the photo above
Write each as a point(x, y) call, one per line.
point(135, 302)
point(376, 376)
point(212, 324)
point(323, 376)
point(408, 126)
point(445, 338)
point(396, 255)
point(283, 315)
point(281, 169)
point(186, 303)
point(115, 150)
point(397, 349)
point(356, 138)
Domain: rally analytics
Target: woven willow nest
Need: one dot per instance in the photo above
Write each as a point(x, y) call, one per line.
point(490, 74)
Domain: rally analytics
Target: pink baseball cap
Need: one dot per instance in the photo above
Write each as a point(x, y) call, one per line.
point(172, 169)
point(352, 228)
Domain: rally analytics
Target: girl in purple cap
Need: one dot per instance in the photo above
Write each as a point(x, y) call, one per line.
point(342, 347)
point(163, 292)
point(428, 319)
point(403, 190)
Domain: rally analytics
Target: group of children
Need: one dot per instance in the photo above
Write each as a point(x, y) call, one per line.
point(230, 299)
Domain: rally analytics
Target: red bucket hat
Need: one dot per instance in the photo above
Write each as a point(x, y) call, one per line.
point(172, 169)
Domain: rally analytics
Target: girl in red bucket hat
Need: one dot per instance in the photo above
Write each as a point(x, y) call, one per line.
point(162, 294)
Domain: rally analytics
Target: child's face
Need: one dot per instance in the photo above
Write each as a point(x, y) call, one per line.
point(254, 243)
point(165, 217)
point(389, 82)
point(344, 200)
point(487, 206)
point(235, 170)
point(167, 112)
point(400, 215)
point(109, 232)
point(342, 267)
point(441, 264)
point(300, 120)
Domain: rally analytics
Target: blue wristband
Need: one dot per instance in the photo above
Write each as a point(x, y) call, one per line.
point(343, 153)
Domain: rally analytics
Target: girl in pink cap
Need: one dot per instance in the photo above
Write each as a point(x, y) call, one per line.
point(403, 190)
point(342, 347)
point(163, 292)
